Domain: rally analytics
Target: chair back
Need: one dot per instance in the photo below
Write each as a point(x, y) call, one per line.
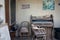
point(25, 24)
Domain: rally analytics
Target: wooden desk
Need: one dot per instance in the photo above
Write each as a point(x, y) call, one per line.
point(12, 34)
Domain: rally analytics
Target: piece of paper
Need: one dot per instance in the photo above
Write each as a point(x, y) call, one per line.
point(4, 33)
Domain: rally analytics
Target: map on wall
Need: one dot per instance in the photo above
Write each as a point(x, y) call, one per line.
point(48, 4)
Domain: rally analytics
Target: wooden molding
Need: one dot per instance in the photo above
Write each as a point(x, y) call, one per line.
point(7, 10)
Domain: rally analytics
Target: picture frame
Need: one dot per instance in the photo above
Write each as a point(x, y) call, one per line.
point(25, 6)
point(48, 4)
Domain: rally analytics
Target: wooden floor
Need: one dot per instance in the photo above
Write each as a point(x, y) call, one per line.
point(26, 38)
point(23, 38)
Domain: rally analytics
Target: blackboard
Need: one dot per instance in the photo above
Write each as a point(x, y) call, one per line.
point(13, 11)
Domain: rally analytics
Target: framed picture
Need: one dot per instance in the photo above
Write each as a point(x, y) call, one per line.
point(25, 6)
point(48, 4)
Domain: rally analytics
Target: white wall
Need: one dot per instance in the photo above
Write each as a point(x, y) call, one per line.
point(35, 9)
point(2, 10)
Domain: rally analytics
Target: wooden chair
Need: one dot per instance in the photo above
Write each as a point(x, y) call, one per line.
point(24, 29)
point(40, 34)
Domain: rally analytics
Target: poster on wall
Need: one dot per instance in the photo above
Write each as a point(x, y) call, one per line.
point(48, 4)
